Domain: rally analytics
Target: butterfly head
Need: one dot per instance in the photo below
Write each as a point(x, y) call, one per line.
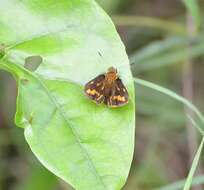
point(111, 75)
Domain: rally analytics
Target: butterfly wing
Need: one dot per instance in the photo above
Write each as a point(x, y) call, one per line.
point(95, 88)
point(118, 95)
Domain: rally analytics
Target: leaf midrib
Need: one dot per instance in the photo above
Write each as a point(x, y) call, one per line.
point(69, 124)
point(36, 37)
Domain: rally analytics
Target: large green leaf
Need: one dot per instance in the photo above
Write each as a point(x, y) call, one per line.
point(88, 145)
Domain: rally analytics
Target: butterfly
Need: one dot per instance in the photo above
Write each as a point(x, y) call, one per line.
point(107, 88)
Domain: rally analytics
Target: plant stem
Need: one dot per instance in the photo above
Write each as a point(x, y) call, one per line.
point(187, 76)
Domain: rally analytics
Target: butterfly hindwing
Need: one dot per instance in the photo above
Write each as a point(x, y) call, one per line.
point(118, 95)
point(94, 89)
point(107, 88)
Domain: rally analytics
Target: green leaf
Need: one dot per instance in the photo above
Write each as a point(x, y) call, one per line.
point(88, 145)
point(194, 10)
point(194, 166)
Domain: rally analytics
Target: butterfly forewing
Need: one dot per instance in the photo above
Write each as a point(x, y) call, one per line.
point(118, 95)
point(95, 89)
point(108, 89)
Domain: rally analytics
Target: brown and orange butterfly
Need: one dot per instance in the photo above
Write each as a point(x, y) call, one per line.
point(107, 88)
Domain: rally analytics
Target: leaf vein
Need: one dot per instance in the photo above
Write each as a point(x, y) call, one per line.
point(54, 101)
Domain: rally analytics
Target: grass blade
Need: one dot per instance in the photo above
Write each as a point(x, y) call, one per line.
point(172, 95)
point(179, 184)
point(169, 51)
point(193, 167)
point(190, 106)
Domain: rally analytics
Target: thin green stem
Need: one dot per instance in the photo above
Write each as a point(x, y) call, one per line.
point(194, 166)
point(172, 95)
point(179, 184)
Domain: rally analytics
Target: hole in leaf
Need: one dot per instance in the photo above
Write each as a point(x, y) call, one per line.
point(33, 62)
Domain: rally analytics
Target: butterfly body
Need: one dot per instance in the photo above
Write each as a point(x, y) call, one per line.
point(108, 89)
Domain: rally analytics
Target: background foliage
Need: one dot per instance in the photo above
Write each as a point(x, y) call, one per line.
point(162, 38)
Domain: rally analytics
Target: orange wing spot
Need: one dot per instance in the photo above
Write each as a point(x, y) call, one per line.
point(88, 91)
point(115, 97)
point(119, 98)
point(123, 99)
point(92, 92)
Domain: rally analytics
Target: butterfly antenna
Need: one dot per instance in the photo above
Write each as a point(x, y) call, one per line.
point(100, 54)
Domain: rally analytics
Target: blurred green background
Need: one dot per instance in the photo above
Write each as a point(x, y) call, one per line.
point(166, 46)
